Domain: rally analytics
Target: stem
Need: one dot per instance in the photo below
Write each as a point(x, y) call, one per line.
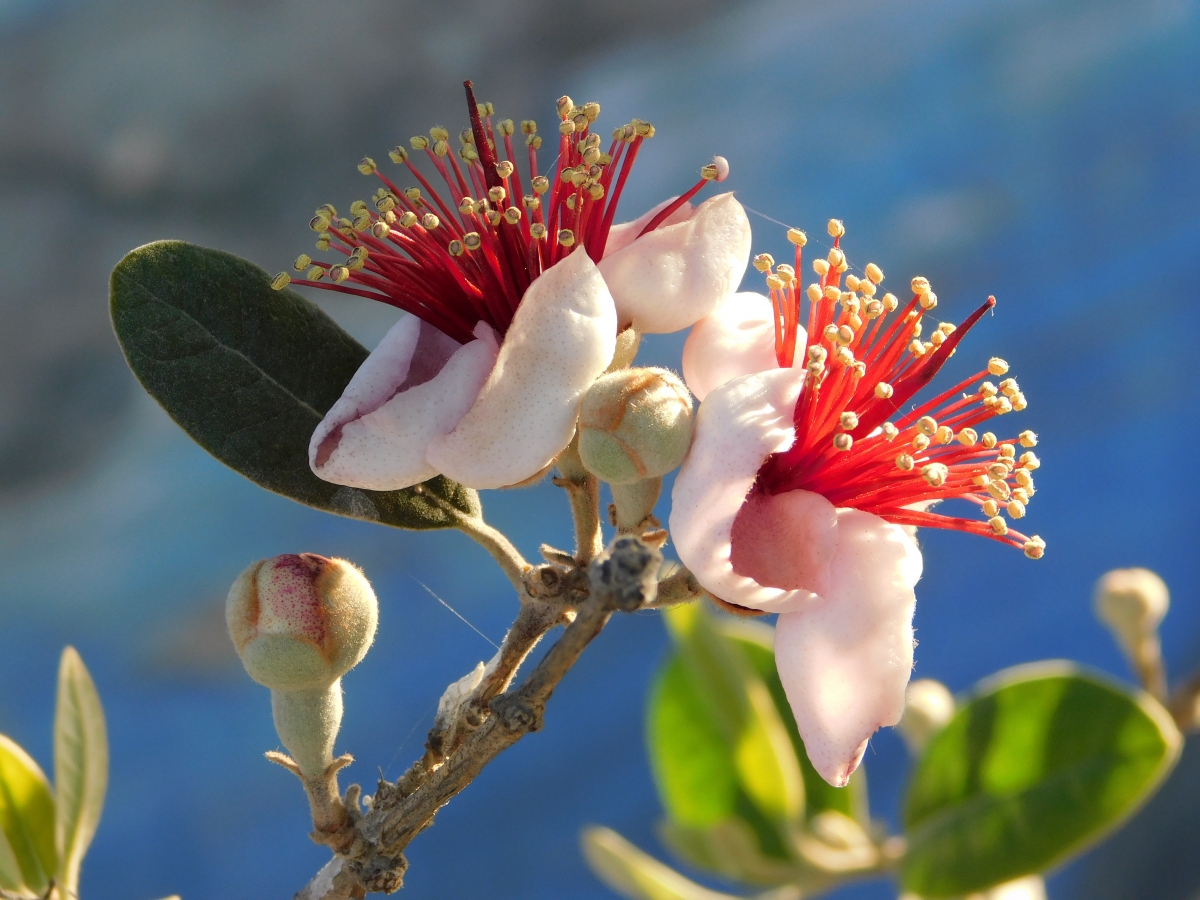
point(500, 547)
point(583, 492)
point(680, 586)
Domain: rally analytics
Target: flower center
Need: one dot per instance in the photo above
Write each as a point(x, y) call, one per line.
point(862, 367)
point(472, 259)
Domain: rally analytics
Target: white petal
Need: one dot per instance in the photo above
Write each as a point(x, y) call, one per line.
point(737, 427)
point(845, 660)
point(407, 392)
point(736, 338)
point(561, 339)
point(674, 276)
point(620, 236)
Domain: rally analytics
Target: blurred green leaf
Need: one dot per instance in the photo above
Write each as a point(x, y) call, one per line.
point(80, 766)
point(1044, 760)
point(27, 856)
point(732, 715)
point(757, 642)
point(636, 875)
point(249, 372)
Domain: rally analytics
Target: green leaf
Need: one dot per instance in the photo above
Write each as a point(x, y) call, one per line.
point(27, 856)
point(80, 766)
point(249, 372)
point(738, 708)
point(1043, 761)
point(636, 875)
point(757, 642)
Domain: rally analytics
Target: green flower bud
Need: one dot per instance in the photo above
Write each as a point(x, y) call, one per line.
point(928, 707)
point(635, 424)
point(301, 621)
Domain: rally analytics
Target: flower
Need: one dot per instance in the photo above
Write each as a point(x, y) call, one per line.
point(806, 479)
point(515, 298)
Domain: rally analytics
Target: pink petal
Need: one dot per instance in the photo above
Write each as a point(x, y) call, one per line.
point(674, 276)
point(845, 660)
point(737, 427)
point(561, 339)
point(736, 338)
point(786, 540)
point(416, 385)
point(620, 236)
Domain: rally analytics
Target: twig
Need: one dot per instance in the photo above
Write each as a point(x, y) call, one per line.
point(1184, 703)
point(490, 539)
point(583, 492)
point(486, 724)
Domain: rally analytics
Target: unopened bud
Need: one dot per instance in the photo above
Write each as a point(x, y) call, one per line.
point(1131, 602)
point(635, 424)
point(928, 707)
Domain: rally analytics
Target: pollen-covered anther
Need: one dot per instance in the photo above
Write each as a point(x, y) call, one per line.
point(935, 474)
point(339, 273)
point(512, 215)
point(928, 300)
point(990, 508)
point(852, 283)
point(1000, 490)
point(1019, 402)
point(786, 273)
point(845, 356)
point(999, 526)
point(883, 390)
point(998, 470)
point(836, 258)
point(1009, 388)
point(981, 480)
point(927, 425)
point(537, 231)
point(916, 348)
point(717, 170)
point(968, 437)
point(874, 273)
point(1008, 451)
point(987, 390)
point(280, 281)
point(1030, 461)
point(920, 442)
point(890, 431)
point(845, 335)
point(797, 237)
point(316, 273)
point(1021, 495)
point(540, 184)
point(1024, 479)
point(836, 229)
point(566, 237)
point(848, 420)
point(945, 434)
point(989, 440)
point(920, 285)
point(774, 282)
point(821, 267)
point(764, 262)
point(997, 366)
point(842, 442)
point(1015, 509)
point(1035, 547)
point(832, 292)
point(904, 462)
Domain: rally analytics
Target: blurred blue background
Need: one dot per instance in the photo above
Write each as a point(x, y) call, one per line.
point(1047, 153)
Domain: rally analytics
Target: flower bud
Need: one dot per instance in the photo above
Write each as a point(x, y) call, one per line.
point(635, 424)
point(928, 707)
point(301, 621)
point(1131, 602)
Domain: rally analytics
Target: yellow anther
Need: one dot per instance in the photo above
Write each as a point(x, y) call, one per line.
point(928, 300)
point(595, 191)
point(470, 154)
point(357, 208)
point(512, 215)
point(566, 237)
point(935, 474)
point(904, 462)
point(566, 126)
point(413, 194)
point(456, 248)
point(998, 470)
point(319, 223)
point(280, 281)
point(852, 282)
point(323, 243)
point(860, 369)
point(441, 148)
point(883, 390)
point(494, 218)
point(386, 203)
point(389, 217)
point(999, 490)
point(817, 353)
point(890, 302)
point(398, 154)
point(832, 292)
point(1015, 509)
point(537, 231)
point(763, 262)
point(591, 110)
point(472, 240)
point(797, 237)
point(987, 389)
point(989, 440)
point(362, 223)
point(999, 526)
point(354, 263)
point(937, 338)
point(816, 369)
point(438, 133)
point(591, 155)
point(867, 287)
point(1021, 494)
point(920, 442)
point(821, 267)
point(429, 221)
point(419, 142)
point(408, 220)
point(981, 480)
point(874, 273)
point(367, 166)
point(1024, 479)
point(531, 201)
point(564, 105)
point(1035, 547)
point(848, 420)
point(997, 366)
point(381, 230)
point(814, 293)
point(890, 431)
point(774, 282)
point(842, 442)
point(316, 273)
point(528, 126)
point(836, 257)
point(1003, 406)
point(497, 194)
point(873, 309)
point(835, 228)
point(927, 425)
point(1019, 402)
point(541, 184)
point(854, 321)
point(339, 273)
point(845, 356)
point(1008, 451)
point(504, 168)
point(505, 127)
point(945, 434)
point(786, 272)
point(643, 129)
point(1030, 461)
point(485, 108)
point(466, 205)
point(916, 348)
point(968, 436)
point(845, 335)
point(920, 286)
point(303, 261)
point(1009, 388)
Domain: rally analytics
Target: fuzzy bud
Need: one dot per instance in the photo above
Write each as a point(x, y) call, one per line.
point(1131, 602)
point(635, 424)
point(928, 707)
point(301, 621)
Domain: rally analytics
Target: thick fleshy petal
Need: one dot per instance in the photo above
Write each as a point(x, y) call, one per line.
point(676, 275)
point(622, 235)
point(786, 540)
point(415, 386)
point(561, 339)
point(737, 427)
point(845, 660)
point(736, 338)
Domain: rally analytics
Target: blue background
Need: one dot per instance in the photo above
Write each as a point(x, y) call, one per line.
point(1047, 153)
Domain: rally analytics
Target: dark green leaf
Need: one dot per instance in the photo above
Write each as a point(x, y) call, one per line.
point(27, 856)
point(1043, 761)
point(249, 372)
